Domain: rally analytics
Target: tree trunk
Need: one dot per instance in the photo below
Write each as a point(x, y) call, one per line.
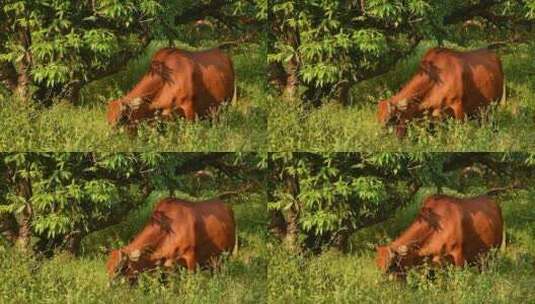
point(276, 73)
point(292, 79)
point(340, 240)
point(9, 227)
point(73, 241)
point(8, 76)
point(277, 76)
point(293, 66)
point(343, 92)
point(72, 93)
point(22, 90)
point(292, 230)
point(278, 225)
point(292, 219)
point(24, 235)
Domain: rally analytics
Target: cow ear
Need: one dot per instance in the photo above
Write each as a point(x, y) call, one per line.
point(136, 103)
point(135, 255)
point(402, 250)
point(169, 263)
point(122, 107)
point(402, 104)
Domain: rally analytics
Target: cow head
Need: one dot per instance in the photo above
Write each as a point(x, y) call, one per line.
point(116, 264)
point(389, 112)
point(122, 112)
point(114, 112)
point(393, 260)
point(121, 263)
point(392, 113)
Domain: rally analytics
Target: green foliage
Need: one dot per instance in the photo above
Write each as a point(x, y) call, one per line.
point(59, 46)
point(74, 191)
point(81, 38)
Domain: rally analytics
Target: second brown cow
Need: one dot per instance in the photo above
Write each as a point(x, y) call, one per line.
point(190, 84)
point(180, 233)
point(446, 230)
point(448, 83)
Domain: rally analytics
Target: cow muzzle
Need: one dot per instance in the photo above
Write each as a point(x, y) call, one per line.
point(402, 105)
point(395, 256)
point(120, 267)
point(127, 110)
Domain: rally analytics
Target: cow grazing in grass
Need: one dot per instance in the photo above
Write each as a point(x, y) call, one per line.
point(446, 230)
point(180, 233)
point(448, 83)
point(191, 84)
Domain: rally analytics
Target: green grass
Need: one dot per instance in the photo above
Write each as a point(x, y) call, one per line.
point(333, 277)
point(333, 127)
point(67, 279)
point(66, 127)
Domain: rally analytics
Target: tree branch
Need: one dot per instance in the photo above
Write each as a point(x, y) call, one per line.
point(469, 12)
point(200, 11)
point(199, 162)
point(246, 187)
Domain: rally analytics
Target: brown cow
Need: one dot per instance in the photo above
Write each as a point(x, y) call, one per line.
point(189, 83)
point(446, 230)
point(179, 233)
point(448, 83)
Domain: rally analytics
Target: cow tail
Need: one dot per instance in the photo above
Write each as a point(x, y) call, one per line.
point(235, 249)
point(504, 92)
point(235, 95)
point(503, 245)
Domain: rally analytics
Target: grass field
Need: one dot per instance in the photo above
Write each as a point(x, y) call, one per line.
point(66, 279)
point(334, 277)
point(333, 127)
point(66, 127)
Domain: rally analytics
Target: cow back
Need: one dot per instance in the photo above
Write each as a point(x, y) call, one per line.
point(474, 224)
point(449, 229)
point(449, 83)
point(206, 227)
